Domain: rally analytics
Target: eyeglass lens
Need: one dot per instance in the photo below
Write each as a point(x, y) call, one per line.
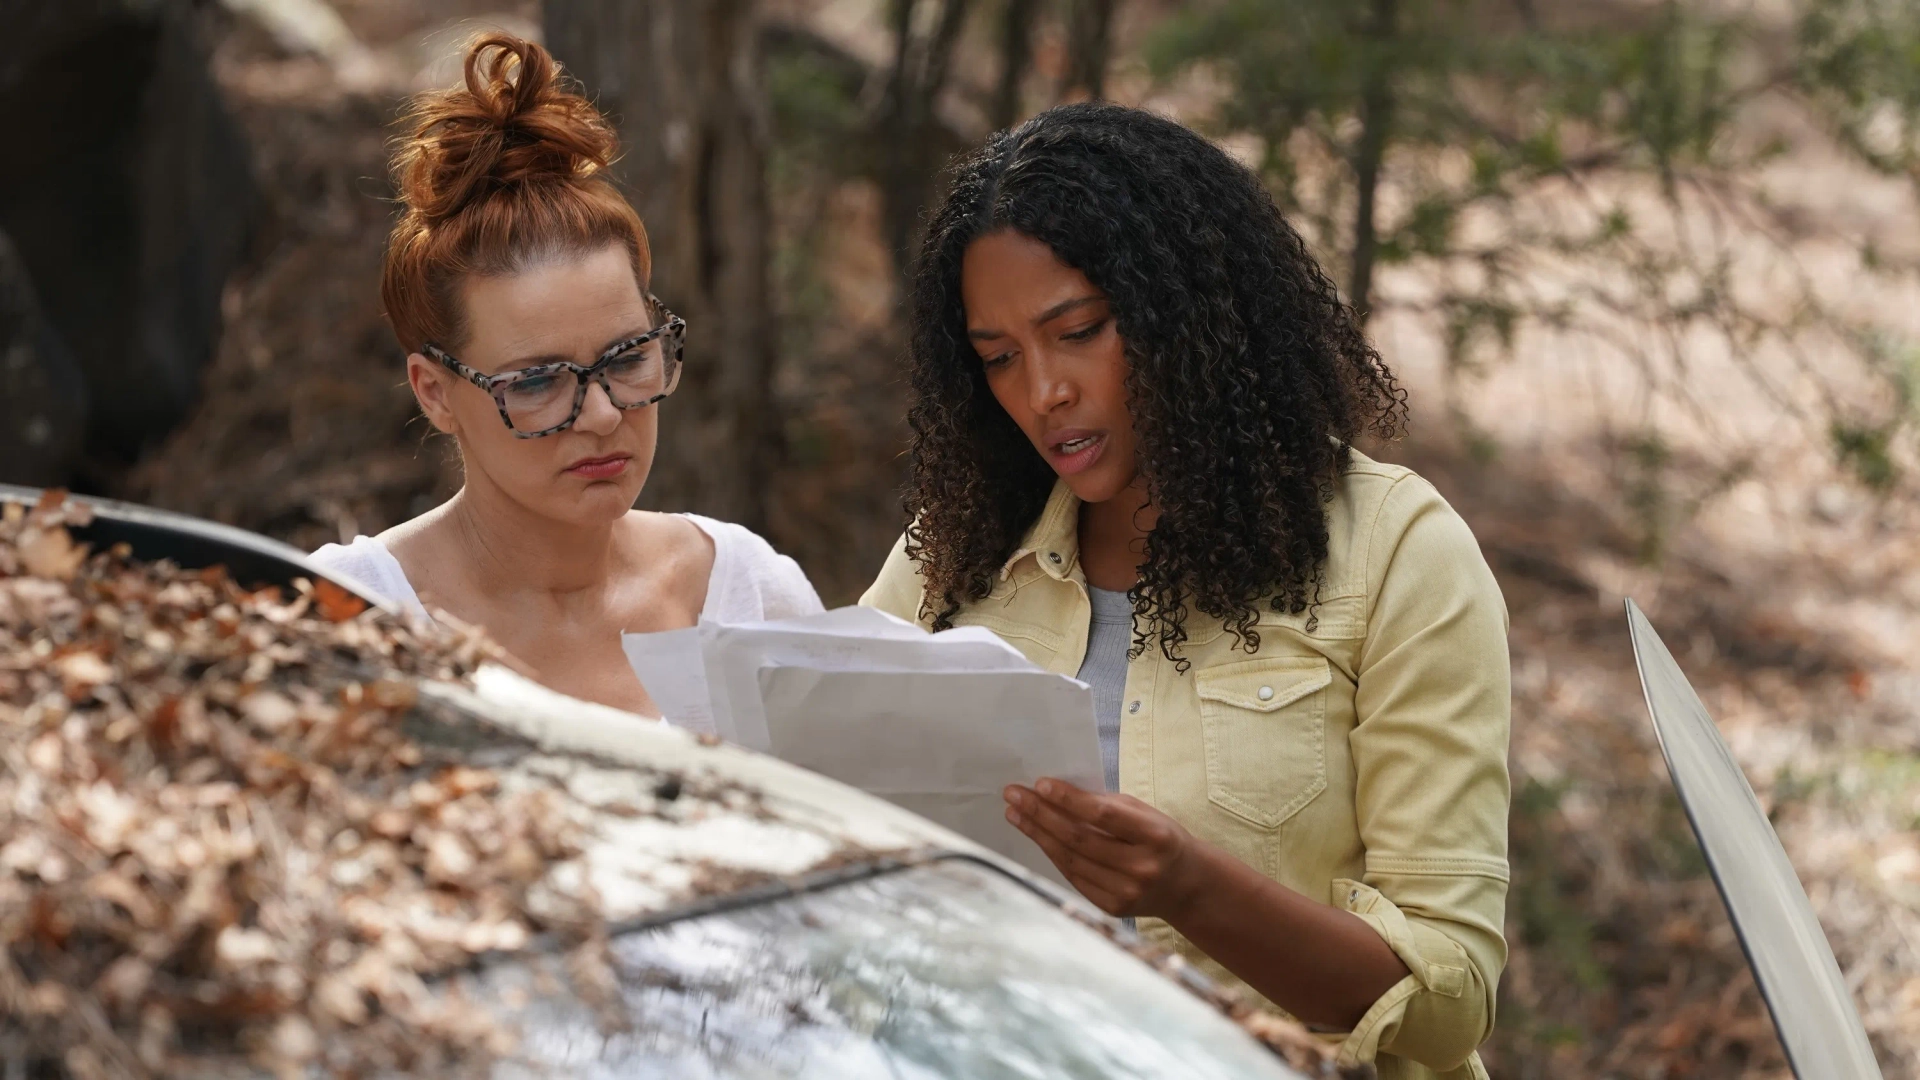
point(632, 378)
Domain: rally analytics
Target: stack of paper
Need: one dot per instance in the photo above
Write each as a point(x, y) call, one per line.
point(938, 723)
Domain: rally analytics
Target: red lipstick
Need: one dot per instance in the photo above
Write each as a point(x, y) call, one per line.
point(600, 468)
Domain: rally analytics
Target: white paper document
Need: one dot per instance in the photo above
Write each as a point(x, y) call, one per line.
point(669, 666)
point(937, 723)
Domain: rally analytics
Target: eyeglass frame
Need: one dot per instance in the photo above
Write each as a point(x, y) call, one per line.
point(673, 329)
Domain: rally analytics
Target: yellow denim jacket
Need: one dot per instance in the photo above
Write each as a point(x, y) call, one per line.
point(1361, 760)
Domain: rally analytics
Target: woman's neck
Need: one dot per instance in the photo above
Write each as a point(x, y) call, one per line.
point(1113, 537)
point(518, 550)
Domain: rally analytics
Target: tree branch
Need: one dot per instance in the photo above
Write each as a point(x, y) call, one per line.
point(1376, 111)
point(1089, 45)
point(1016, 51)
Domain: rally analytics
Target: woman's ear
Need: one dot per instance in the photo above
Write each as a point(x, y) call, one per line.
point(430, 385)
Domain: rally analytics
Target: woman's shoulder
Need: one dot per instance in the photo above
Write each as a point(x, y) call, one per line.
point(1365, 476)
point(368, 562)
point(364, 559)
point(1399, 528)
point(678, 538)
point(1380, 495)
point(751, 580)
point(1385, 516)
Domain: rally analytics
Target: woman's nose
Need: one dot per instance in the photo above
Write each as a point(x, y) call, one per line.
point(1049, 388)
point(598, 415)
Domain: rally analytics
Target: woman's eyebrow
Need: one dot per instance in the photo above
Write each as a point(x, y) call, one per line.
point(622, 340)
point(532, 361)
point(560, 358)
point(1041, 319)
point(1063, 307)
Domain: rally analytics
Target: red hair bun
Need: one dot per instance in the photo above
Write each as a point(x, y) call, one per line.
point(497, 173)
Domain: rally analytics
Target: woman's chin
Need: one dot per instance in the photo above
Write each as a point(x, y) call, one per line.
point(1085, 492)
point(1099, 484)
point(598, 503)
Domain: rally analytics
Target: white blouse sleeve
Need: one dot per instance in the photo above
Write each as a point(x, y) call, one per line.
point(369, 564)
point(751, 581)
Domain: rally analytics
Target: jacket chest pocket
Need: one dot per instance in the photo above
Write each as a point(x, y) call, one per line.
point(1264, 724)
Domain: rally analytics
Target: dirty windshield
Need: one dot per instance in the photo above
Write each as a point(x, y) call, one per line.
point(948, 970)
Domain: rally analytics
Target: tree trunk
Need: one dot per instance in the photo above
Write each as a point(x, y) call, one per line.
point(1016, 52)
point(128, 199)
point(43, 401)
point(908, 129)
point(1089, 47)
point(1376, 115)
point(682, 81)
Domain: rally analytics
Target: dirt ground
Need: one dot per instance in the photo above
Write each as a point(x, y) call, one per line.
point(1790, 593)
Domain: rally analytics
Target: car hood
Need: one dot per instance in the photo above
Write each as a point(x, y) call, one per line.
point(737, 815)
point(1792, 962)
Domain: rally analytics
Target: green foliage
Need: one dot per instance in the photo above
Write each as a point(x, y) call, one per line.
point(1865, 445)
point(1647, 497)
point(1674, 847)
point(813, 95)
point(1861, 60)
point(1867, 452)
point(1484, 104)
point(1476, 320)
point(1546, 905)
point(1523, 102)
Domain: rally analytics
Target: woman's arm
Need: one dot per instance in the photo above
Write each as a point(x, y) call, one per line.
point(1323, 965)
point(1430, 805)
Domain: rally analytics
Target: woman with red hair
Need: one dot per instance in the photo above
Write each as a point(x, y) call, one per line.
point(517, 280)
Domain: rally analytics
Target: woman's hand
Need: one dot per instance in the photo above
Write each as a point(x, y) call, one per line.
point(1320, 963)
point(1125, 856)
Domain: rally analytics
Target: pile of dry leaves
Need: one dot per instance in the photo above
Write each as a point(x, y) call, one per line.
point(214, 838)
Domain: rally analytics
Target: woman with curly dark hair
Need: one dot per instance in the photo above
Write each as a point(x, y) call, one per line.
point(1135, 399)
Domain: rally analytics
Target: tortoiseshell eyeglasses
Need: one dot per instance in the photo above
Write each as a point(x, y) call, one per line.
point(546, 398)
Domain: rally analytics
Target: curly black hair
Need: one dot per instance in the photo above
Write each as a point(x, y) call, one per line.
point(1249, 375)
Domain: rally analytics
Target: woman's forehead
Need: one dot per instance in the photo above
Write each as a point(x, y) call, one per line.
point(559, 309)
point(1009, 275)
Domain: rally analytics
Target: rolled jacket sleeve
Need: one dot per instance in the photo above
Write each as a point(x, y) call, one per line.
point(1432, 710)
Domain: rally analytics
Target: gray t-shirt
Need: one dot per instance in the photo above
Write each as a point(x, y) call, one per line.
point(1109, 636)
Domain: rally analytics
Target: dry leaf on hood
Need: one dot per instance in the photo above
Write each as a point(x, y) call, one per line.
point(211, 816)
point(336, 604)
point(50, 553)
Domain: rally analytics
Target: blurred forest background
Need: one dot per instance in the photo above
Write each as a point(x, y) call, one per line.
point(1648, 268)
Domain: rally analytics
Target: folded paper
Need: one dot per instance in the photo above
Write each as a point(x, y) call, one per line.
point(937, 723)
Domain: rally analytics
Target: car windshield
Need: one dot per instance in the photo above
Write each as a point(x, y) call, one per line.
point(946, 970)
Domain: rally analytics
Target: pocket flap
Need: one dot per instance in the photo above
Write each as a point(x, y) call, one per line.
point(1263, 685)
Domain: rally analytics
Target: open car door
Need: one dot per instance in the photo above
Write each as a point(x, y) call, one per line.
point(1791, 960)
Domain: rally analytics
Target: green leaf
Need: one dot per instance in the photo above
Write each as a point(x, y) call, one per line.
point(1867, 452)
point(1542, 150)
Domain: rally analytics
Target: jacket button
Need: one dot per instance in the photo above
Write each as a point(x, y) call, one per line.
point(1054, 555)
point(1266, 693)
point(1135, 707)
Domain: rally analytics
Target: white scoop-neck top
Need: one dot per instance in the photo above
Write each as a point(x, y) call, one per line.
point(751, 582)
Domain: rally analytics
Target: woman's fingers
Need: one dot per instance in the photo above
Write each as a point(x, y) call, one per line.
point(1110, 890)
point(1077, 835)
point(1137, 855)
point(1121, 816)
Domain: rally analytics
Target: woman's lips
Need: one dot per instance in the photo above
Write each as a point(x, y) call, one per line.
point(1076, 454)
point(600, 468)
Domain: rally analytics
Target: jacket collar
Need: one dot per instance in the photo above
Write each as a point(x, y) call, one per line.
point(1054, 540)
